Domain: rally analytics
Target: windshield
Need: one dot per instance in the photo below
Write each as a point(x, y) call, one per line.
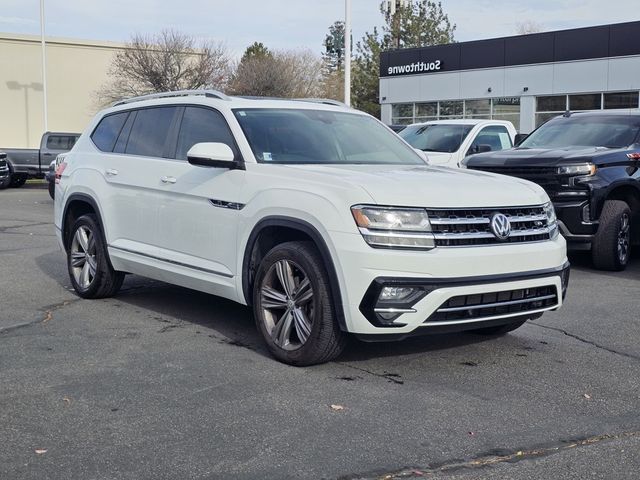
point(614, 131)
point(296, 136)
point(436, 138)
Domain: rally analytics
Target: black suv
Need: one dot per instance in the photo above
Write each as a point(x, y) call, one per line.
point(589, 164)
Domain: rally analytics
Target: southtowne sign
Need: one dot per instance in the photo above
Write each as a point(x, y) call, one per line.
point(416, 67)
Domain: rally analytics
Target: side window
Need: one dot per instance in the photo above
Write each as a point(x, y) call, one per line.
point(496, 136)
point(105, 134)
point(150, 131)
point(203, 125)
point(61, 142)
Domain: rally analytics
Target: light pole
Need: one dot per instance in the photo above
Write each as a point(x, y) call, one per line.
point(347, 52)
point(44, 66)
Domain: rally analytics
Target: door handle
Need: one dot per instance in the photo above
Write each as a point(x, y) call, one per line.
point(111, 172)
point(168, 179)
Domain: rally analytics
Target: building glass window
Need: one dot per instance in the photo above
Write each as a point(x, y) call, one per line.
point(621, 100)
point(477, 108)
point(451, 109)
point(591, 101)
point(554, 103)
point(427, 109)
point(402, 114)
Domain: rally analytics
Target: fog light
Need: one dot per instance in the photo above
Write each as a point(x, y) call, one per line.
point(395, 294)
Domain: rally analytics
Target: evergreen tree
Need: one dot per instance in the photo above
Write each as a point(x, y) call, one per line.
point(416, 23)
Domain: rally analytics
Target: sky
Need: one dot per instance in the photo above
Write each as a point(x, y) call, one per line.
point(289, 24)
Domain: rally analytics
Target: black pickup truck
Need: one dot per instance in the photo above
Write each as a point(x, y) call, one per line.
point(589, 164)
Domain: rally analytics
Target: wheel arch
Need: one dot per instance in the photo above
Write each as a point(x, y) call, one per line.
point(273, 230)
point(79, 204)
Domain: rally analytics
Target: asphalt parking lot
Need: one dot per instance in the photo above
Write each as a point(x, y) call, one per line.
point(163, 382)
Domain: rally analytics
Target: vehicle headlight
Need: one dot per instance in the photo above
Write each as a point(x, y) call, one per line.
point(390, 227)
point(587, 169)
point(552, 220)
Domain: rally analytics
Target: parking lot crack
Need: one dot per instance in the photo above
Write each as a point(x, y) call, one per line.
point(588, 342)
point(486, 460)
point(389, 377)
point(48, 312)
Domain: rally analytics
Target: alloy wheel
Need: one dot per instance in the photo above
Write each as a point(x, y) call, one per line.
point(288, 304)
point(624, 237)
point(83, 257)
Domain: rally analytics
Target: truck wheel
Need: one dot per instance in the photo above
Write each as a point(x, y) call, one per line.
point(90, 270)
point(52, 190)
point(18, 180)
point(293, 307)
point(5, 183)
point(611, 246)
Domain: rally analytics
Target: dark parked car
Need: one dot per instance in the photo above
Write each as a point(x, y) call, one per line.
point(589, 164)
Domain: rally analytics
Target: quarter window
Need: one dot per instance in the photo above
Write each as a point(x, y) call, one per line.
point(105, 134)
point(203, 125)
point(150, 131)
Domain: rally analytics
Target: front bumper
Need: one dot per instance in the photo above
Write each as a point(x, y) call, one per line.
point(446, 273)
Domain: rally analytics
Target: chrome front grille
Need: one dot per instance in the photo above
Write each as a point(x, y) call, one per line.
point(485, 305)
point(466, 227)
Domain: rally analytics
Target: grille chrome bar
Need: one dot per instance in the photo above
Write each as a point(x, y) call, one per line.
point(478, 235)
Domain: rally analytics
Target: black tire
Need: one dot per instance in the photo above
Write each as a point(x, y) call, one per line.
point(52, 190)
point(18, 180)
point(325, 340)
point(105, 281)
point(5, 183)
point(500, 329)
point(610, 249)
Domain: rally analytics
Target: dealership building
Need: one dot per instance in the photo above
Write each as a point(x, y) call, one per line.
point(525, 79)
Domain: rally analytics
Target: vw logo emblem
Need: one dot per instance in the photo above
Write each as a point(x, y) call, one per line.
point(500, 226)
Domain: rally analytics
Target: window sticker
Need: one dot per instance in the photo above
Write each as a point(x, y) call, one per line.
point(266, 156)
point(242, 114)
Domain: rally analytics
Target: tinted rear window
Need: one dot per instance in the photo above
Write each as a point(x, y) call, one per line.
point(61, 142)
point(150, 131)
point(105, 135)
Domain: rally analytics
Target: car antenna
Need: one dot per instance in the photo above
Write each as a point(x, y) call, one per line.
point(567, 114)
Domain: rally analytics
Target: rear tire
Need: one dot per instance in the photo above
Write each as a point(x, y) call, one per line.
point(90, 270)
point(610, 249)
point(293, 306)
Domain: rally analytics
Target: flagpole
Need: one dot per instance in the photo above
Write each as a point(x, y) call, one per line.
point(44, 66)
point(347, 52)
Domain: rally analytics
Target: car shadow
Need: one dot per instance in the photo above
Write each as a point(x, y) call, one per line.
point(229, 322)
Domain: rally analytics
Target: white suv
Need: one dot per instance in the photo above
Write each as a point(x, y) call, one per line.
point(316, 215)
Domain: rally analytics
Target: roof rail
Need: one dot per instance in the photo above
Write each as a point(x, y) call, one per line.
point(326, 101)
point(177, 93)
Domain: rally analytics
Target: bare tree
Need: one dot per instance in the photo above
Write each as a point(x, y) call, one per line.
point(288, 74)
point(528, 26)
point(167, 61)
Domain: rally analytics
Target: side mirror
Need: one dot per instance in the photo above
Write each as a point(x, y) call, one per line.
point(423, 155)
point(208, 154)
point(481, 148)
point(519, 138)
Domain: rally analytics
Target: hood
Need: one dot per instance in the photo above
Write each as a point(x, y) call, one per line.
point(430, 186)
point(439, 158)
point(539, 157)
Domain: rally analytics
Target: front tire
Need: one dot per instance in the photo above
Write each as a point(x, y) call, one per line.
point(90, 270)
point(293, 306)
point(4, 183)
point(611, 246)
point(18, 180)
